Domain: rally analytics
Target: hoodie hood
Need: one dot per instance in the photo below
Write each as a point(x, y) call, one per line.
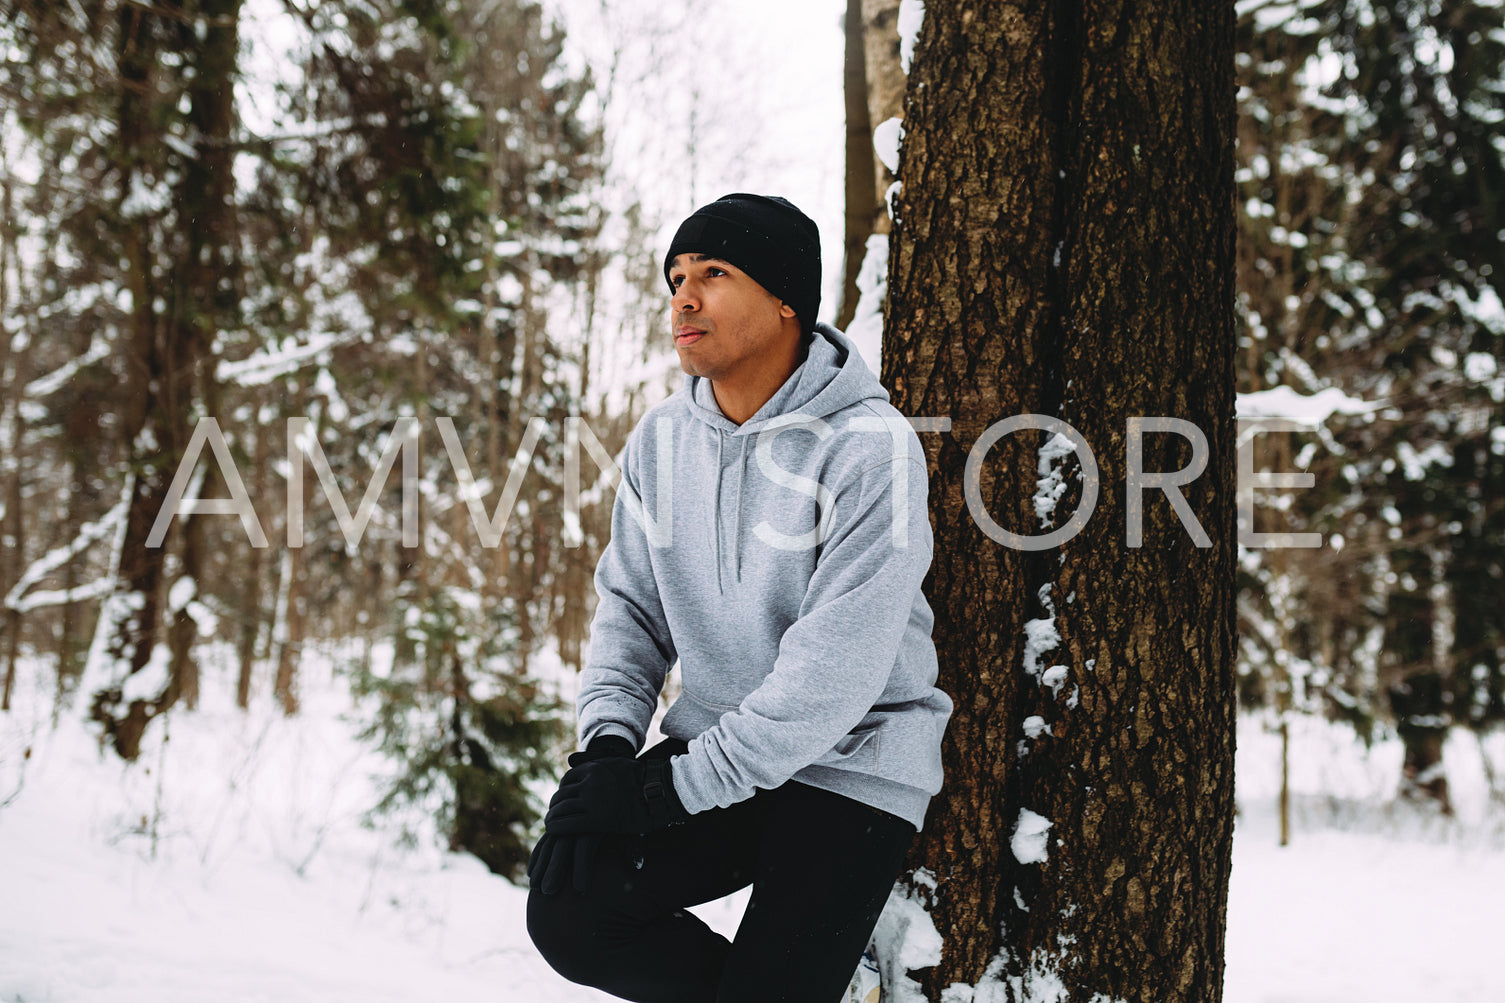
point(831, 377)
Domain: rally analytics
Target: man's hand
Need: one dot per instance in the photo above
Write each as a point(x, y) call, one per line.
point(560, 860)
point(615, 795)
point(557, 860)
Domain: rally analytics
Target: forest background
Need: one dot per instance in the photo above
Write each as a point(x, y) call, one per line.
point(360, 212)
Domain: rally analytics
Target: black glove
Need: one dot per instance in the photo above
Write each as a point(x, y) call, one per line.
point(615, 795)
point(603, 747)
point(558, 859)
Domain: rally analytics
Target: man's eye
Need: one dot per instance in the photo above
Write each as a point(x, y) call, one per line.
point(676, 281)
point(713, 270)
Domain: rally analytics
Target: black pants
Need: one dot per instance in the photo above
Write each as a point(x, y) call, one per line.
point(821, 866)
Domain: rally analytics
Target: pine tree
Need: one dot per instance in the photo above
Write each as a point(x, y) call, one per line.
point(462, 241)
point(146, 132)
point(467, 732)
point(1369, 176)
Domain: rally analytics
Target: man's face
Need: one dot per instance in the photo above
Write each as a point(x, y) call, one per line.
point(727, 328)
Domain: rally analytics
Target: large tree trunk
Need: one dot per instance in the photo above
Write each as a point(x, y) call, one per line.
point(1064, 247)
point(171, 344)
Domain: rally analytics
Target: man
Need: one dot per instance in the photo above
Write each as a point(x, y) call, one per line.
point(770, 533)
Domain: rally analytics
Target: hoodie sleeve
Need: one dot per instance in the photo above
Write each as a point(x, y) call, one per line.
point(630, 647)
point(835, 660)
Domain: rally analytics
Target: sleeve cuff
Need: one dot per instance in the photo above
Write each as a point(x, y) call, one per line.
point(611, 744)
point(590, 735)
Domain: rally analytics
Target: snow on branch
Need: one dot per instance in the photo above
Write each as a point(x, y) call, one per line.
point(88, 535)
point(42, 386)
point(263, 367)
point(1310, 409)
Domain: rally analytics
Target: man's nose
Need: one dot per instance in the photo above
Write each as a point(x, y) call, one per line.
point(683, 299)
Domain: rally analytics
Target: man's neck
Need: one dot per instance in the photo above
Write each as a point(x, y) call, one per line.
point(739, 403)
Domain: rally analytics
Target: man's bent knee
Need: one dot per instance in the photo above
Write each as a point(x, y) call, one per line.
point(561, 928)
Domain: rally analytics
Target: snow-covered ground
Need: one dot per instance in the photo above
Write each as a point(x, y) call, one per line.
point(1372, 902)
point(231, 865)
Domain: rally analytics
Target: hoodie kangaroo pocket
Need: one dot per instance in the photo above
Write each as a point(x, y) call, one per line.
point(719, 708)
point(856, 748)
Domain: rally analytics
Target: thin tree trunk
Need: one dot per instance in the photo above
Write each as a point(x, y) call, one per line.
point(13, 369)
point(290, 620)
point(72, 614)
point(499, 440)
point(15, 529)
point(289, 651)
point(251, 618)
point(183, 630)
point(12, 655)
point(861, 184)
point(1419, 702)
point(526, 580)
point(885, 91)
point(1064, 247)
point(1279, 591)
point(1285, 781)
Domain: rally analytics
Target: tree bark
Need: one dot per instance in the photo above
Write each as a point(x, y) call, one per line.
point(290, 651)
point(885, 91)
point(1422, 718)
point(14, 527)
point(172, 343)
point(289, 620)
point(251, 617)
point(68, 645)
point(861, 183)
point(1064, 246)
point(15, 369)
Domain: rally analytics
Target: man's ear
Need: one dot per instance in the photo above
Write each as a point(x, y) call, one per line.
point(786, 311)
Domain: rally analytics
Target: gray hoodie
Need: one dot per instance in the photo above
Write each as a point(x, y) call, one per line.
point(780, 562)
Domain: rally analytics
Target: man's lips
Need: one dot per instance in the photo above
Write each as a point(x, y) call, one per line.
point(687, 335)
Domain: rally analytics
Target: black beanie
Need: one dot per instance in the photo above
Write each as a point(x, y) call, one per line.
point(765, 236)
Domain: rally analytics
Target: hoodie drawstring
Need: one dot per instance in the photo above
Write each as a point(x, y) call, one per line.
point(737, 516)
point(716, 511)
point(737, 519)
